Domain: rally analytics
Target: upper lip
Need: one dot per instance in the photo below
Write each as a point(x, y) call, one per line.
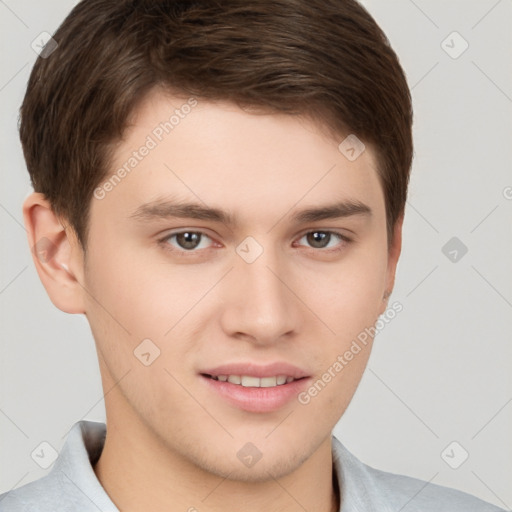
point(257, 370)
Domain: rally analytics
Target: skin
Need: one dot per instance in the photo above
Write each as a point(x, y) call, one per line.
point(172, 442)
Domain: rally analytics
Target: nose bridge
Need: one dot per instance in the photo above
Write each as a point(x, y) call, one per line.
point(261, 306)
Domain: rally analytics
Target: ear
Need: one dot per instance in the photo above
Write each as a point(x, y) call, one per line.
point(57, 254)
point(393, 254)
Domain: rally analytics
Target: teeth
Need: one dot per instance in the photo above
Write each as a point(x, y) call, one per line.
point(267, 382)
point(249, 381)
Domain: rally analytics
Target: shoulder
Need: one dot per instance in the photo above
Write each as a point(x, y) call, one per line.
point(60, 491)
point(39, 495)
point(411, 494)
point(368, 488)
point(71, 484)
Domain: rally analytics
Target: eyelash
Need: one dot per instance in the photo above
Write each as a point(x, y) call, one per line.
point(184, 253)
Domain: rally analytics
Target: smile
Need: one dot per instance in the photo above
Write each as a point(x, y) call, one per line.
point(250, 381)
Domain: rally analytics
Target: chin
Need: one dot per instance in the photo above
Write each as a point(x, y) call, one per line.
point(263, 470)
point(247, 463)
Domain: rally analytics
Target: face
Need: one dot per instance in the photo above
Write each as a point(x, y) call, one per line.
point(193, 308)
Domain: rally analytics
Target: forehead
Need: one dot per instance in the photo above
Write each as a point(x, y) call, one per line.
point(220, 155)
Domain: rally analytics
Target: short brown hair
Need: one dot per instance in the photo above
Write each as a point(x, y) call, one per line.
point(325, 59)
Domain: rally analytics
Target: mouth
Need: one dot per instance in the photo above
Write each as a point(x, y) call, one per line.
point(255, 388)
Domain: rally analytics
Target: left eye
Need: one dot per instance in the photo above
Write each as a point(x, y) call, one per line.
point(188, 241)
point(321, 239)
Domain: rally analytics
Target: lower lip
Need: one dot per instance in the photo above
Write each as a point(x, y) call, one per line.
point(257, 399)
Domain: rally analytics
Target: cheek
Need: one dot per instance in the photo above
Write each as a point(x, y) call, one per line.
point(146, 297)
point(347, 299)
point(349, 302)
point(136, 306)
point(336, 380)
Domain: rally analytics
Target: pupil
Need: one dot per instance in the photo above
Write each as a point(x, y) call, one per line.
point(318, 236)
point(188, 240)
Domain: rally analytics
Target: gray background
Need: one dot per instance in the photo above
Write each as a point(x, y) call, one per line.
point(440, 371)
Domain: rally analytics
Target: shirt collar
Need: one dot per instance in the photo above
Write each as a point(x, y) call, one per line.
point(80, 452)
point(356, 484)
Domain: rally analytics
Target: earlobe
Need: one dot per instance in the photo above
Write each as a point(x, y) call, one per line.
point(56, 253)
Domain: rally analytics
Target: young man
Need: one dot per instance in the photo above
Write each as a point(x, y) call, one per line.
point(220, 189)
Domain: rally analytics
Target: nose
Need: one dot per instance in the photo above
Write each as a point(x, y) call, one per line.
point(260, 305)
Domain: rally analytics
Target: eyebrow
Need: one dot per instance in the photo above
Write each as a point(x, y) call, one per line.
point(166, 209)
